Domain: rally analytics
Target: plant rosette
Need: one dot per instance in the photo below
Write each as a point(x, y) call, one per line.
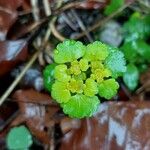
point(81, 75)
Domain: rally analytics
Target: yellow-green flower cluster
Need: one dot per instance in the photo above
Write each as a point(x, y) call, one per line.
point(83, 74)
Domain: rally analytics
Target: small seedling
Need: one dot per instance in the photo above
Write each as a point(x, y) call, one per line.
point(135, 48)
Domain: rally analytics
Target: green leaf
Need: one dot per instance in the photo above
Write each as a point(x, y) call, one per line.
point(48, 75)
point(129, 51)
point(60, 73)
point(131, 76)
point(108, 88)
point(83, 63)
point(80, 106)
point(116, 63)
point(143, 49)
point(136, 51)
point(142, 67)
point(96, 51)
point(19, 138)
point(113, 6)
point(90, 87)
point(60, 92)
point(69, 51)
point(137, 27)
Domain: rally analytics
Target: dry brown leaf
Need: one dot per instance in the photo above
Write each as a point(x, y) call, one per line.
point(93, 4)
point(117, 126)
point(8, 15)
point(11, 53)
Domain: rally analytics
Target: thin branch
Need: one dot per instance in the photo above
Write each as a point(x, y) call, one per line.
point(36, 16)
point(17, 80)
point(7, 122)
point(35, 9)
point(53, 27)
point(56, 33)
point(126, 91)
point(82, 26)
point(68, 21)
point(47, 7)
point(102, 22)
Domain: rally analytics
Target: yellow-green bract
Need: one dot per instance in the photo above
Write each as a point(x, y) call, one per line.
point(84, 74)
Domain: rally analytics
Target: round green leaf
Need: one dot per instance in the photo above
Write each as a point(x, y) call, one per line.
point(116, 63)
point(129, 51)
point(80, 106)
point(131, 76)
point(96, 51)
point(48, 75)
point(137, 27)
point(69, 51)
point(60, 73)
point(90, 87)
point(60, 92)
point(108, 88)
point(19, 138)
point(143, 49)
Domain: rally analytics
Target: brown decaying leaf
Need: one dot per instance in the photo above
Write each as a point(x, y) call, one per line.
point(117, 126)
point(96, 4)
point(8, 15)
point(11, 52)
point(22, 29)
point(145, 77)
point(3, 139)
point(144, 91)
point(36, 110)
point(6, 111)
point(93, 4)
point(67, 124)
point(26, 5)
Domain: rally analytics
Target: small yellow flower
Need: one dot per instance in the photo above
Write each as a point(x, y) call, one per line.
point(75, 69)
point(75, 86)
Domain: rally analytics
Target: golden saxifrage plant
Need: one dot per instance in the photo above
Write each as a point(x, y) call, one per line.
point(82, 75)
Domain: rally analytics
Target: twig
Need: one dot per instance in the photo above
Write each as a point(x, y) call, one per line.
point(69, 6)
point(47, 9)
point(16, 81)
point(35, 9)
point(126, 91)
point(144, 3)
point(68, 22)
point(53, 29)
point(82, 26)
point(143, 87)
point(103, 21)
point(56, 33)
point(9, 120)
point(36, 16)
point(47, 33)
